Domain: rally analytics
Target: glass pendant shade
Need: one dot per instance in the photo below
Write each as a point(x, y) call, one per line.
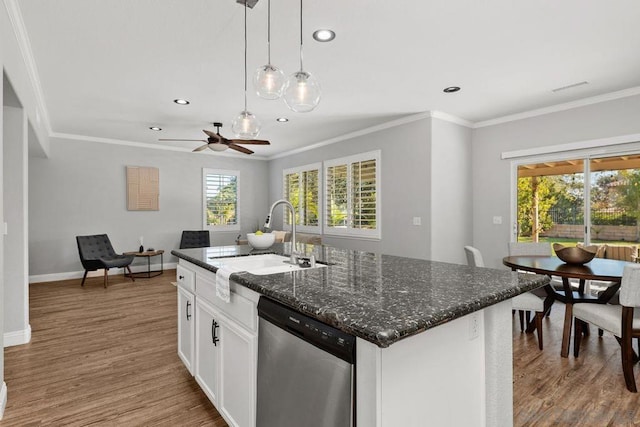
point(269, 82)
point(246, 125)
point(302, 92)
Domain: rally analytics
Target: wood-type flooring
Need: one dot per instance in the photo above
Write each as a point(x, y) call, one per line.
point(108, 357)
point(103, 357)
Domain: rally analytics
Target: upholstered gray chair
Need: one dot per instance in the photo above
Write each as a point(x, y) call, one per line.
point(623, 321)
point(524, 303)
point(96, 252)
point(195, 239)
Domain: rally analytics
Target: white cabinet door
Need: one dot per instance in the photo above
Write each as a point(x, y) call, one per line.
point(186, 327)
point(238, 374)
point(207, 360)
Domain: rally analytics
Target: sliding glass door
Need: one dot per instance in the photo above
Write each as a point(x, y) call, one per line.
point(550, 202)
point(555, 202)
point(615, 199)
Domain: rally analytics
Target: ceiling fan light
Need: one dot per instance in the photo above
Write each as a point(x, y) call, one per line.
point(269, 82)
point(246, 125)
point(302, 92)
point(218, 147)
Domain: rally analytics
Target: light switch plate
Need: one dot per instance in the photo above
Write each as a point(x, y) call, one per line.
point(417, 220)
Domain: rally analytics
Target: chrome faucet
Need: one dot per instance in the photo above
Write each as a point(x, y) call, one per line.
point(293, 259)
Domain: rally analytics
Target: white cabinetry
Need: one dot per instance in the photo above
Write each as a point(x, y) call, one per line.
point(186, 327)
point(238, 364)
point(207, 362)
point(224, 344)
point(186, 321)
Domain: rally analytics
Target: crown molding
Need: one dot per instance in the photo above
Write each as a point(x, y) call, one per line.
point(24, 44)
point(560, 107)
point(350, 135)
point(126, 143)
point(451, 118)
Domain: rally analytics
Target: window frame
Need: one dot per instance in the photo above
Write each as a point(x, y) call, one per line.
point(226, 172)
point(314, 229)
point(350, 231)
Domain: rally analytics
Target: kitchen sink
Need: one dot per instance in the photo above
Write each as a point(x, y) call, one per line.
point(260, 264)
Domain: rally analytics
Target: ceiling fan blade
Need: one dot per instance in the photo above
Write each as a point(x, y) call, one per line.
point(250, 141)
point(202, 147)
point(240, 149)
point(201, 140)
point(212, 135)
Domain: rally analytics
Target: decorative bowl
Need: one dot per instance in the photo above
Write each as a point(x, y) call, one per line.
point(575, 255)
point(262, 241)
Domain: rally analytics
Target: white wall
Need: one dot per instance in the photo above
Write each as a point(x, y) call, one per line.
point(81, 189)
point(3, 387)
point(451, 205)
point(16, 271)
point(491, 175)
point(405, 189)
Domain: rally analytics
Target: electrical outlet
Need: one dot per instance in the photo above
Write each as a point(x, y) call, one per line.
point(474, 326)
point(497, 220)
point(417, 220)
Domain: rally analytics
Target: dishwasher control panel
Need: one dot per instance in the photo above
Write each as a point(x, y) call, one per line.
point(313, 331)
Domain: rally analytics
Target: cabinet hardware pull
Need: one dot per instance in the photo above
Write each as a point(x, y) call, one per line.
point(188, 315)
point(180, 277)
point(214, 337)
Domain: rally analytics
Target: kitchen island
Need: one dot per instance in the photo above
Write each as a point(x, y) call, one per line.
point(433, 339)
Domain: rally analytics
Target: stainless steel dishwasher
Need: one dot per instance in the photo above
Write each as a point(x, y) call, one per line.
point(306, 374)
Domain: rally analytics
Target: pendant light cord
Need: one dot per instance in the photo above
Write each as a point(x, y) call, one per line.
point(245, 55)
point(269, 32)
point(301, 68)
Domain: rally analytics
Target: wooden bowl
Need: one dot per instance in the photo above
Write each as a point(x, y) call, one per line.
point(575, 255)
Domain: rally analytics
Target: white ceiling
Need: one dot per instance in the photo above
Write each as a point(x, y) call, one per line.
point(110, 69)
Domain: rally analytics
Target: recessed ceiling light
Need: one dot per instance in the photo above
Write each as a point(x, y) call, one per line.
point(181, 101)
point(282, 119)
point(156, 128)
point(451, 89)
point(324, 35)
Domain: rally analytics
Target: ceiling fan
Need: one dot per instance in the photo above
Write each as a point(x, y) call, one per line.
point(217, 142)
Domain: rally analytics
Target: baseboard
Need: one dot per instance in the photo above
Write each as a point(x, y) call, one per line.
point(3, 398)
point(54, 277)
point(17, 337)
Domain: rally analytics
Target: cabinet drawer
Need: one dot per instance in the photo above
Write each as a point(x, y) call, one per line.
point(186, 278)
point(238, 308)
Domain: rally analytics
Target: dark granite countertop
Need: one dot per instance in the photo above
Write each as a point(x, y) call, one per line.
point(379, 298)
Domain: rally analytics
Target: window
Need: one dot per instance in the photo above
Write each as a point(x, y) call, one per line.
point(591, 199)
point(352, 195)
point(221, 199)
point(301, 187)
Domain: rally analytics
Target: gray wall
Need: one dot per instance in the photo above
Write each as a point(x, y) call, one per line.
point(16, 273)
point(81, 190)
point(451, 205)
point(405, 189)
point(491, 175)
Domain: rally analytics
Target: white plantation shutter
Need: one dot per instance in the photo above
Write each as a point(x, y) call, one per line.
point(352, 195)
point(363, 184)
point(302, 188)
point(337, 197)
point(221, 199)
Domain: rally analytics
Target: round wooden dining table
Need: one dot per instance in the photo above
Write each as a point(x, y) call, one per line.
point(608, 271)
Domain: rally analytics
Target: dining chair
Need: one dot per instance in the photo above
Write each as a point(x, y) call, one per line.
point(96, 252)
point(524, 303)
point(194, 239)
point(623, 321)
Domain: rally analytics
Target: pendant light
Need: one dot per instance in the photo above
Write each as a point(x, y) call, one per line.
point(269, 80)
point(245, 125)
point(302, 90)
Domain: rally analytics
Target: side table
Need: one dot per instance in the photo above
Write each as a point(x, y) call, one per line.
point(149, 273)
